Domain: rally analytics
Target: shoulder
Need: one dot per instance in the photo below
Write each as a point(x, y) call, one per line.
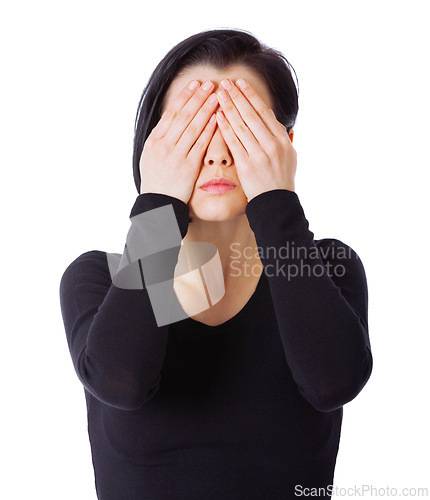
point(342, 257)
point(334, 249)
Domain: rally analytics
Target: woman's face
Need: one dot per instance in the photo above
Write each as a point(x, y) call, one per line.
point(217, 160)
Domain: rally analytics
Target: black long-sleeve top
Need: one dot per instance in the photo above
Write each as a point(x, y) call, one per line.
point(251, 408)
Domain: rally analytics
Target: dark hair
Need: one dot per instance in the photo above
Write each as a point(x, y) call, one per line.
point(221, 49)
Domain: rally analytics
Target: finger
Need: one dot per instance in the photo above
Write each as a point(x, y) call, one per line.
point(187, 113)
point(236, 147)
point(171, 112)
point(243, 132)
point(265, 112)
point(249, 115)
point(197, 124)
point(197, 151)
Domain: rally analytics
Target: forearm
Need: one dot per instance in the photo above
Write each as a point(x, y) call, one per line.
point(324, 335)
point(116, 343)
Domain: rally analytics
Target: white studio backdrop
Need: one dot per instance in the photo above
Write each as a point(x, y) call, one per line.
point(73, 73)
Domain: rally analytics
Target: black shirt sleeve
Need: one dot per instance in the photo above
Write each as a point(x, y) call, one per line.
point(320, 295)
point(115, 343)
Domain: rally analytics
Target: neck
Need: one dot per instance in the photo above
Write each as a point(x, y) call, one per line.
point(233, 238)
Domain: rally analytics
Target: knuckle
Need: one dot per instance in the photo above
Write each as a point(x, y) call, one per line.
point(272, 148)
point(185, 93)
point(199, 146)
point(183, 116)
point(265, 110)
point(251, 117)
point(200, 96)
point(250, 92)
point(261, 157)
point(191, 129)
point(242, 128)
point(285, 141)
point(235, 140)
point(228, 106)
point(234, 92)
point(170, 113)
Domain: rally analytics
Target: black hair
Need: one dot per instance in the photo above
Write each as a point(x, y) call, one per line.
point(220, 48)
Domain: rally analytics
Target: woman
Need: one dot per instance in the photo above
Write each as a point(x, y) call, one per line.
point(217, 352)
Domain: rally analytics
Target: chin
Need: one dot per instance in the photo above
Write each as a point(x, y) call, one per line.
point(216, 212)
point(217, 208)
point(216, 216)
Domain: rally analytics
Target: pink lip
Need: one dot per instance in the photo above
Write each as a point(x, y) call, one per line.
point(217, 188)
point(218, 185)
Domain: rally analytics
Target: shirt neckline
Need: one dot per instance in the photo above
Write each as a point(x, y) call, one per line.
point(233, 322)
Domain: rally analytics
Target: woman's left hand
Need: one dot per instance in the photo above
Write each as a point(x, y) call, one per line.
point(261, 147)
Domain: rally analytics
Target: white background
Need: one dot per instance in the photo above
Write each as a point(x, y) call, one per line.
point(72, 76)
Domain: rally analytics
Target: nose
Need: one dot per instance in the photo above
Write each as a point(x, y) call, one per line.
point(217, 152)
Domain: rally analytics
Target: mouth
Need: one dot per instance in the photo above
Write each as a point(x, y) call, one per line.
point(218, 188)
point(218, 185)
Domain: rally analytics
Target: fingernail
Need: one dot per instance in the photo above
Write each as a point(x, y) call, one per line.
point(223, 95)
point(193, 85)
point(207, 85)
point(213, 118)
point(212, 98)
point(226, 84)
point(241, 83)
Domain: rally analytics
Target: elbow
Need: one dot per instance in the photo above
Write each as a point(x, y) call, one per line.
point(128, 402)
point(344, 389)
point(135, 401)
point(124, 400)
point(109, 387)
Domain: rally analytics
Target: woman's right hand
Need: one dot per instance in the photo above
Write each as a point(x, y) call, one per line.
point(173, 152)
